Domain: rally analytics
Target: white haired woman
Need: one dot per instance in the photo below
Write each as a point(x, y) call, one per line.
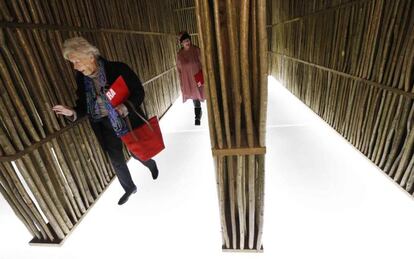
point(94, 75)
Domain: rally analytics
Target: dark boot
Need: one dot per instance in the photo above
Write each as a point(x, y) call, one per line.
point(198, 114)
point(126, 195)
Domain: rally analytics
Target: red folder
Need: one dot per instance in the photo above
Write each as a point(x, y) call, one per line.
point(118, 92)
point(199, 78)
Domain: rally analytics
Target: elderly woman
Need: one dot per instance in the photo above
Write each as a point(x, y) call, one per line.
point(188, 66)
point(93, 77)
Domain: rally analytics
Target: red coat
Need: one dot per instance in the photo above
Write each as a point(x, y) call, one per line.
point(189, 64)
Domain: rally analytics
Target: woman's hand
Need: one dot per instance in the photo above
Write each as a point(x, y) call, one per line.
point(63, 110)
point(122, 110)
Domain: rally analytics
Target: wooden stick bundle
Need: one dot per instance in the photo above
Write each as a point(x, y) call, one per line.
point(235, 65)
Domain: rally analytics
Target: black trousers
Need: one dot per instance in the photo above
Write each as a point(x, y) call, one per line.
point(111, 144)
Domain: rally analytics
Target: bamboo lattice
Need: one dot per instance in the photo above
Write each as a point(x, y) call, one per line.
point(185, 19)
point(52, 171)
point(351, 62)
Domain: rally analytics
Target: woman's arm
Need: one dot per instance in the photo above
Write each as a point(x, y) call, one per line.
point(80, 109)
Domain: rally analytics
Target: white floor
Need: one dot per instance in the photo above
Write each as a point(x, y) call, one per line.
point(323, 200)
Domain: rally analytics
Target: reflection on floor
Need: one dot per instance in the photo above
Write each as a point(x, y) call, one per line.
point(323, 199)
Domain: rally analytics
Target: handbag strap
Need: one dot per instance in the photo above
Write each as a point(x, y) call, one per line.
point(137, 113)
point(130, 128)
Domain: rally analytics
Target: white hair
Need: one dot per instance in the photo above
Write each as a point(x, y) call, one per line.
point(79, 45)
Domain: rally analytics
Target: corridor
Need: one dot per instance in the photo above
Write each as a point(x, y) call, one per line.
point(324, 199)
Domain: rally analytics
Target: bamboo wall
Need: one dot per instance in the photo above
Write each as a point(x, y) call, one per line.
point(351, 62)
point(185, 19)
point(52, 172)
point(233, 40)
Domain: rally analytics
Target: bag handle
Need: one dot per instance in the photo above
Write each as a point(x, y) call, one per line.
point(130, 128)
point(137, 113)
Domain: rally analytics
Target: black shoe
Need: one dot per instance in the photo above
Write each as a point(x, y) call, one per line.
point(126, 195)
point(197, 122)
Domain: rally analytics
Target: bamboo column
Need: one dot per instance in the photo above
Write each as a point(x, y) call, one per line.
point(63, 167)
point(233, 39)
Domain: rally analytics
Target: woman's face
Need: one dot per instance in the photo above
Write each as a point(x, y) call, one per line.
point(186, 43)
point(86, 64)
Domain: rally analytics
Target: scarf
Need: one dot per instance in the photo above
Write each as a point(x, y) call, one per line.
point(117, 122)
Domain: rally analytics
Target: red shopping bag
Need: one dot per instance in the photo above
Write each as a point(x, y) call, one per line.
point(118, 92)
point(145, 141)
point(199, 78)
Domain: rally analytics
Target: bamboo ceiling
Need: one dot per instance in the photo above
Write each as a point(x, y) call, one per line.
point(63, 168)
point(351, 62)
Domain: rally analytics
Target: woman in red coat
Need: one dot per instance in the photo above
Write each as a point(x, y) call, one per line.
point(189, 68)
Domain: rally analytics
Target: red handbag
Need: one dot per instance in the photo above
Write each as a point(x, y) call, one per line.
point(144, 141)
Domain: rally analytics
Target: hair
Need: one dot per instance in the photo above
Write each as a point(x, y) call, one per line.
point(184, 36)
point(79, 45)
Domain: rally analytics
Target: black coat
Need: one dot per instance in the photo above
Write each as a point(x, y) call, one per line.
point(113, 70)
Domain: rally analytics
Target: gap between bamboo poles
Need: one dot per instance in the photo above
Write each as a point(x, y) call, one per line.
point(184, 9)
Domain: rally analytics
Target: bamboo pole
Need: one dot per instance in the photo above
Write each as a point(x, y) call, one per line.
point(263, 63)
point(221, 194)
point(252, 199)
point(245, 75)
point(233, 35)
point(211, 75)
point(221, 49)
point(232, 197)
point(200, 27)
point(240, 203)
